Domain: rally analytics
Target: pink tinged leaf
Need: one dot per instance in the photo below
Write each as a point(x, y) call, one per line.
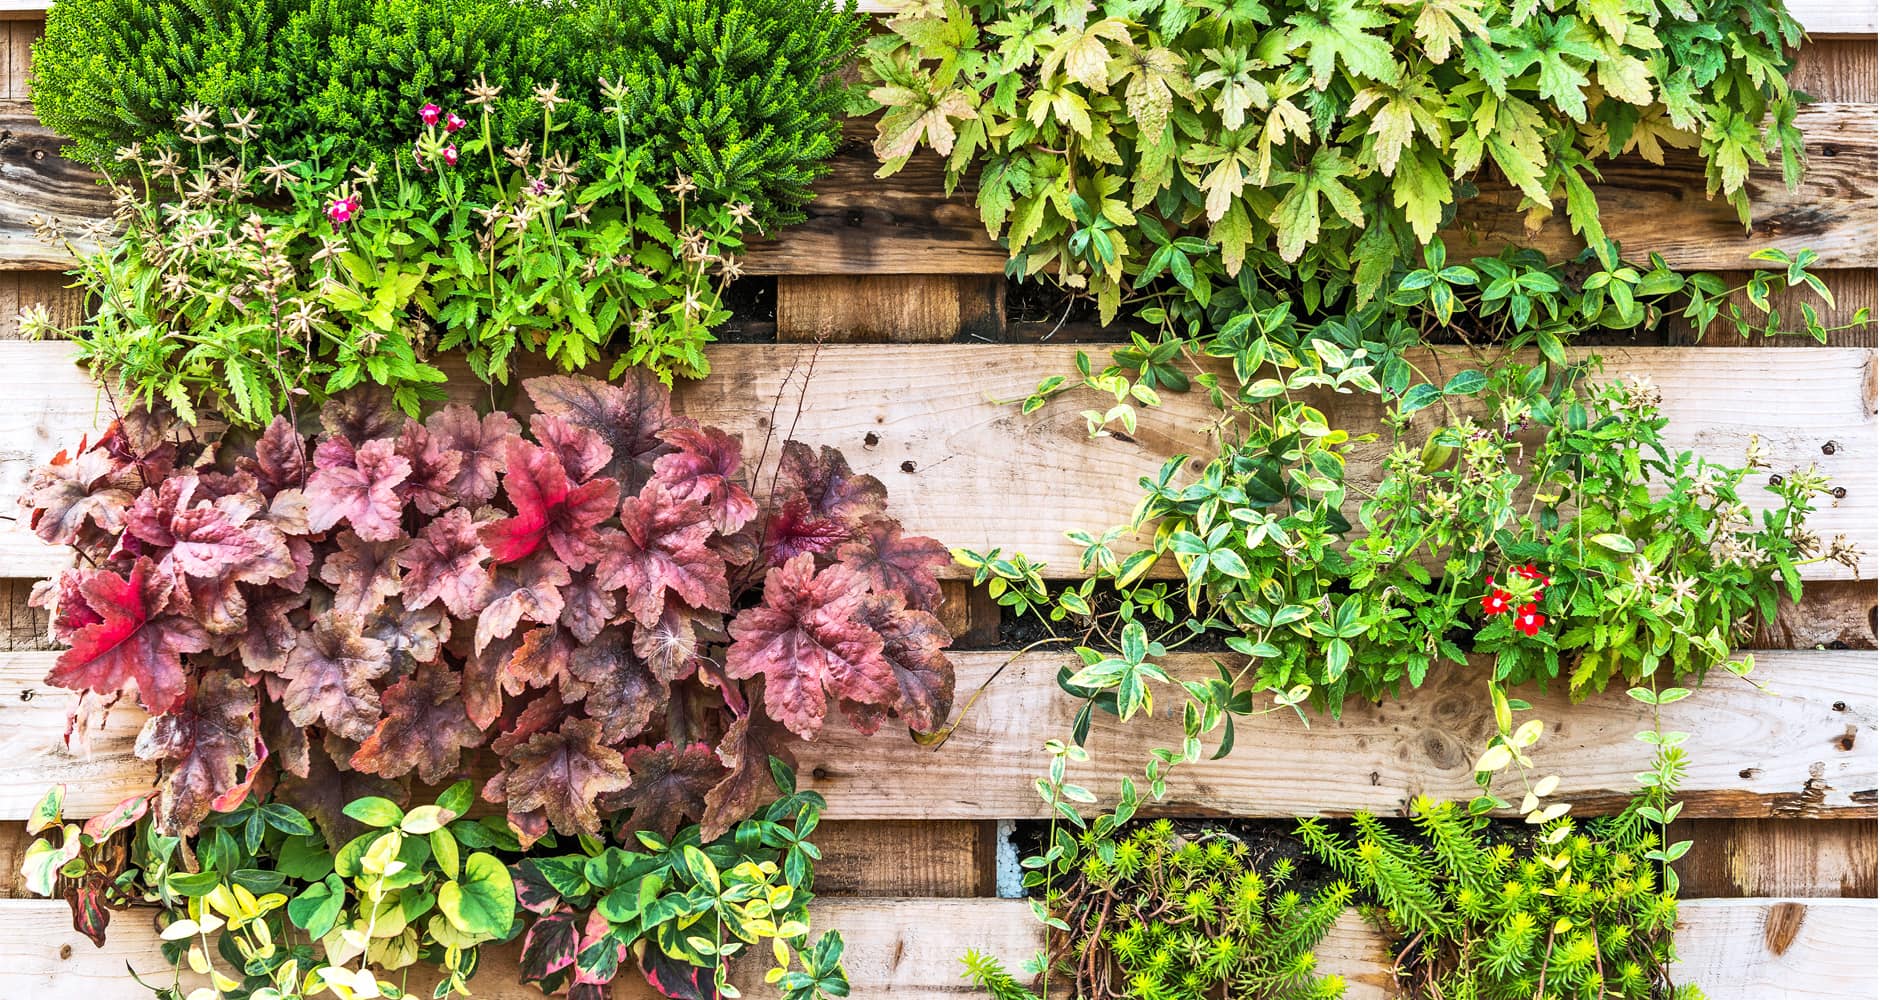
point(669, 785)
point(661, 548)
point(482, 680)
point(587, 606)
point(65, 600)
point(581, 451)
point(361, 414)
point(833, 490)
point(362, 574)
point(550, 945)
point(330, 675)
point(445, 563)
point(794, 530)
point(530, 591)
point(425, 728)
point(541, 660)
point(271, 633)
point(673, 646)
point(281, 460)
point(69, 492)
point(122, 816)
point(746, 750)
point(411, 638)
point(562, 774)
point(364, 495)
point(136, 639)
point(807, 642)
point(629, 418)
point(549, 510)
point(151, 518)
point(894, 563)
point(86, 898)
point(434, 470)
point(481, 443)
point(620, 693)
point(216, 603)
point(704, 468)
point(914, 644)
point(209, 747)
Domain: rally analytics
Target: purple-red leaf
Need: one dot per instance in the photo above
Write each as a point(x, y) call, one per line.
point(833, 490)
point(363, 493)
point(669, 784)
point(746, 749)
point(620, 693)
point(210, 748)
point(136, 639)
point(662, 548)
point(445, 563)
point(363, 574)
point(530, 591)
point(704, 468)
point(562, 773)
point(807, 642)
point(914, 644)
point(435, 467)
point(68, 492)
point(629, 418)
point(549, 510)
point(482, 443)
point(425, 728)
point(330, 675)
point(896, 563)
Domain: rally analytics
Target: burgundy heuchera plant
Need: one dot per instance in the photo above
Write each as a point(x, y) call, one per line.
point(590, 601)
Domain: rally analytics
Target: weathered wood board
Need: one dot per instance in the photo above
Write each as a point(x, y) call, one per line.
point(909, 949)
point(1802, 749)
point(972, 471)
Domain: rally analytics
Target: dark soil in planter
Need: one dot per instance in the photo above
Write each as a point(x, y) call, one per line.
point(753, 304)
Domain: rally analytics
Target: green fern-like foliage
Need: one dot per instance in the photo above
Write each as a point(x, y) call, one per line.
point(1158, 916)
point(1573, 914)
point(743, 95)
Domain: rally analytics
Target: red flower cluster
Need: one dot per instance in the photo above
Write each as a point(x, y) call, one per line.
point(1528, 619)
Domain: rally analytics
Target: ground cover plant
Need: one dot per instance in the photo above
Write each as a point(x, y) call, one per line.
point(1327, 143)
point(312, 196)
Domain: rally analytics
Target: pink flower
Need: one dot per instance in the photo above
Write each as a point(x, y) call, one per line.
point(452, 122)
point(430, 113)
point(342, 210)
point(450, 154)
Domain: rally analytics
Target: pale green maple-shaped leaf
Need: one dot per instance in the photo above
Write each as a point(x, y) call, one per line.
point(1061, 104)
point(1422, 190)
point(1440, 24)
point(1232, 166)
point(1296, 219)
point(1155, 76)
point(1563, 50)
point(1283, 118)
point(1022, 34)
point(1083, 55)
point(1512, 133)
point(913, 115)
point(1401, 111)
point(1653, 132)
point(1614, 17)
point(1731, 144)
point(1622, 74)
point(1231, 71)
point(1340, 33)
point(1233, 234)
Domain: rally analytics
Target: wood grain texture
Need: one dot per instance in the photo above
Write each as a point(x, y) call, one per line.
point(1837, 69)
point(909, 948)
point(1853, 290)
point(973, 472)
point(906, 224)
point(890, 309)
point(1804, 749)
point(1645, 207)
point(1773, 857)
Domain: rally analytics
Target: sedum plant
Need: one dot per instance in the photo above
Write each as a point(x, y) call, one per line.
point(598, 617)
point(1315, 139)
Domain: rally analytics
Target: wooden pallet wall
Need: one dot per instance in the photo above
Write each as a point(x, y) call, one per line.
point(896, 290)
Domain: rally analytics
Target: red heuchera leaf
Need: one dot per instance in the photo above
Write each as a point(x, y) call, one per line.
point(136, 639)
point(529, 591)
point(364, 494)
point(434, 469)
point(69, 491)
point(669, 784)
point(541, 660)
point(330, 675)
point(673, 646)
point(362, 574)
point(805, 640)
point(281, 461)
point(628, 417)
point(562, 774)
point(411, 637)
point(704, 469)
point(913, 643)
point(210, 746)
point(894, 563)
point(270, 633)
point(581, 451)
point(425, 727)
point(834, 491)
point(620, 693)
point(549, 510)
point(481, 443)
point(212, 543)
point(445, 563)
point(795, 530)
point(587, 606)
point(662, 548)
point(746, 749)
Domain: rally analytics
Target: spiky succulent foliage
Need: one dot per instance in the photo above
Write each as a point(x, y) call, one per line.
point(1578, 914)
point(601, 605)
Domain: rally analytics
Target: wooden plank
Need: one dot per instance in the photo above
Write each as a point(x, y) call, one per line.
point(975, 472)
point(859, 224)
point(1663, 208)
point(1852, 290)
point(1836, 69)
point(906, 857)
point(1832, 614)
point(1803, 750)
point(890, 309)
point(910, 948)
point(1774, 857)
